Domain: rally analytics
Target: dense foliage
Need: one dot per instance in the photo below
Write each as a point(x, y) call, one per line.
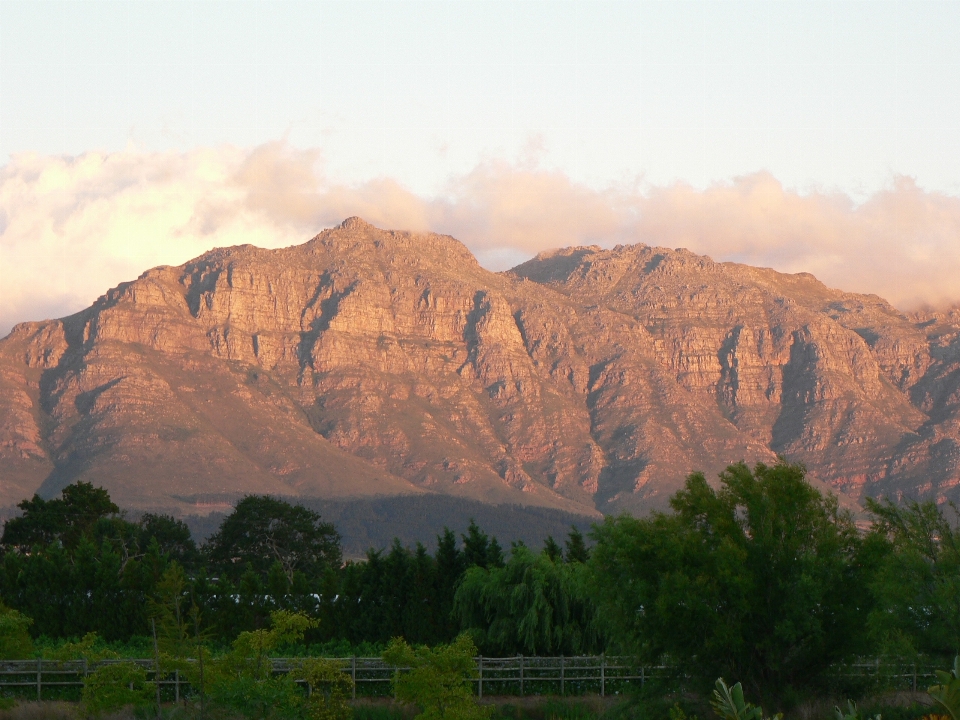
point(535, 604)
point(758, 579)
point(74, 565)
point(917, 587)
point(437, 680)
point(762, 579)
point(262, 531)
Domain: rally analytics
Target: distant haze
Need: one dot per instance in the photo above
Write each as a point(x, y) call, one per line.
point(71, 227)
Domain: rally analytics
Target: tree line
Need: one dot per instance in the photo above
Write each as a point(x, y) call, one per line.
point(75, 565)
point(757, 578)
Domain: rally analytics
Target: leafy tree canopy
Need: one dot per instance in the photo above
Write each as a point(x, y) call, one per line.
point(66, 519)
point(262, 530)
point(918, 580)
point(760, 580)
point(172, 535)
point(533, 605)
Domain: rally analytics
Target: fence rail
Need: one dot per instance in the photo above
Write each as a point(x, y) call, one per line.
point(519, 675)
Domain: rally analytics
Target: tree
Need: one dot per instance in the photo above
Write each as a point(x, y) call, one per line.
point(66, 519)
point(476, 546)
point(531, 605)
point(451, 564)
point(576, 547)
point(419, 621)
point(438, 680)
point(262, 530)
point(494, 554)
point(172, 535)
point(760, 580)
point(243, 680)
point(169, 609)
point(918, 582)
point(552, 550)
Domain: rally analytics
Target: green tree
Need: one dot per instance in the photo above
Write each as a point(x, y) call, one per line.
point(419, 623)
point(66, 519)
point(243, 680)
point(576, 548)
point(169, 608)
point(437, 680)
point(262, 530)
point(172, 535)
point(451, 564)
point(552, 550)
point(532, 605)
point(15, 640)
point(761, 580)
point(918, 582)
point(476, 546)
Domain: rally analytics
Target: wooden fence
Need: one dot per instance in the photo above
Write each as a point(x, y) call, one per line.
point(520, 675)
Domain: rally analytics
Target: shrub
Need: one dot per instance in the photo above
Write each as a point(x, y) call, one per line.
point(330, 689)
point(947, 693)
point(15, 641)
point(114, 687)
point(437, 680)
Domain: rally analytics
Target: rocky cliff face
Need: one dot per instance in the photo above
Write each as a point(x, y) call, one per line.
point(370, 362)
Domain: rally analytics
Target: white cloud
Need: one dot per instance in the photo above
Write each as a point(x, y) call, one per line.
point(72, 227)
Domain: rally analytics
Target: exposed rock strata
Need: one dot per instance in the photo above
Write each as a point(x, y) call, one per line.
point(369, 362)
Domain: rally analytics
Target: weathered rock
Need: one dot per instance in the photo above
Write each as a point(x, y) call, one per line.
point(371, 362)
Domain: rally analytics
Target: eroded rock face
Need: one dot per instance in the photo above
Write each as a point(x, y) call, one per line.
point(377, 362)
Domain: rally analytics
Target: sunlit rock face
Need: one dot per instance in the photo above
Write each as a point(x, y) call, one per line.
point(372, 362)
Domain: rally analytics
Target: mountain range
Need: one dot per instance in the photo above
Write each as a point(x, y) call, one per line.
point(369, 363)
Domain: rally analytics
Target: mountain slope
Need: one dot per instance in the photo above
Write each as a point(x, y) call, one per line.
point(378, 363)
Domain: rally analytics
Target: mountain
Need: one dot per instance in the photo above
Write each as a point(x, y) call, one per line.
point(368, 363)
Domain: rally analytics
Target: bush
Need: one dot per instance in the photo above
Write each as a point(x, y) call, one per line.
point(15, 641)
point(437, 680)
point(114, 687)
point(243, 681)
point(330, 689)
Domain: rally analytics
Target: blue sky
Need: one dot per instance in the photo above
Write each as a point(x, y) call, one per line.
point(807, 135)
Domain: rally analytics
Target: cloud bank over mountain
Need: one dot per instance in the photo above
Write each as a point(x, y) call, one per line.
point(71, 227)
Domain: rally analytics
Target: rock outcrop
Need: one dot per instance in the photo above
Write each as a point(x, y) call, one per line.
point(368, 362)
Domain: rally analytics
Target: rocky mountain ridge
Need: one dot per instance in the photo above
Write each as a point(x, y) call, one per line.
point(372, 363)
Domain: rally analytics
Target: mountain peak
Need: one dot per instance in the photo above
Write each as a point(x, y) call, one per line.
point(354, 223)
point(380, 362)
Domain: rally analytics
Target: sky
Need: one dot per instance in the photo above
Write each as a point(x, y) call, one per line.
point(804, 136)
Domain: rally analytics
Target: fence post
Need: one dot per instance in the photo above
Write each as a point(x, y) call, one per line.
point(603, 674)
point(39, 672)
point(521, 676)
point(353, 674)
point(643, 677)
point(914, 677)
point(176, 686)
point(480, 684)
point(561, 675)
